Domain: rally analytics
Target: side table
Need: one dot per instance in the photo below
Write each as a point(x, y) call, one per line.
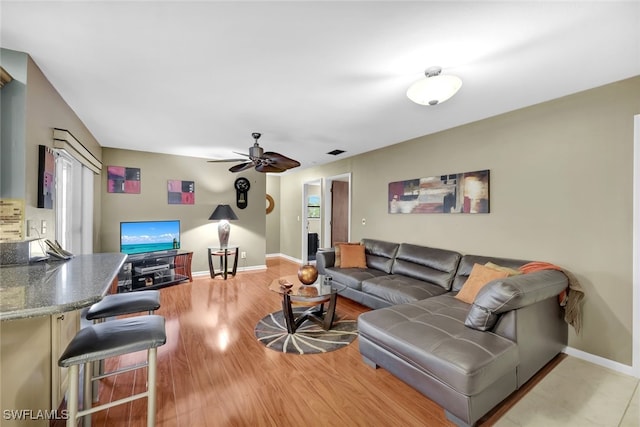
point(223, 254)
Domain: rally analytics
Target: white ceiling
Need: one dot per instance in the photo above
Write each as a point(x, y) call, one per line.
point(197, 78)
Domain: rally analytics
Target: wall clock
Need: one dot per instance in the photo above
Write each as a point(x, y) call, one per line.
point(242, 186)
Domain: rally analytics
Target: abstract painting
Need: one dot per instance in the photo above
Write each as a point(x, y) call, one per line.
point(123, 180)
point(181, 192)
point(46, 177)
point(466, 192)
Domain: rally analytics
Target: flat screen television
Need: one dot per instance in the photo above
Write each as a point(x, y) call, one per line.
point(149, 236)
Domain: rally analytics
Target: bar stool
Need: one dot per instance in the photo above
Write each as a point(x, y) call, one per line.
point(118, 305)
point(109, 339)
point(124, 303)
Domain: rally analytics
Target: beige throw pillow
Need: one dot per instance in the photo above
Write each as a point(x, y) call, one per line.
point(511, 271)
point(479, 277)
point(353, 256)
point(338, 252)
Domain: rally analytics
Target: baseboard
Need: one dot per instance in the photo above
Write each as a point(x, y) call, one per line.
point(253, 268)
point(601, 361)
point(239, 269)
point(287, 257)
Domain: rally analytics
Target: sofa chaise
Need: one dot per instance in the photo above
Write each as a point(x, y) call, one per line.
point(467, 357)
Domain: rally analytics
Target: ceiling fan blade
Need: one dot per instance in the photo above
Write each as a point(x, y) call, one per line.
point(264, 167)
point(283, 162)
point(242, 154)
point(226, 160)
point(241, 167)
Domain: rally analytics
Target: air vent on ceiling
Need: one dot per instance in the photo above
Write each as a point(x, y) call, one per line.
point(335, 152)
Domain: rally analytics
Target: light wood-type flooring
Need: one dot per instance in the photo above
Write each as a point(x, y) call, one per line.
point(213, 371)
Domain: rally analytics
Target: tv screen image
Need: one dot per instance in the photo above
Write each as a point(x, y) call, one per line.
point(149, 236)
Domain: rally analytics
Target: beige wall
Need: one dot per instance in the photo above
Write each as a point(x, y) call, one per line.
point(213, 186)
point(44, 109)
point(47, 110)
point(272, 236)
point(561, 191)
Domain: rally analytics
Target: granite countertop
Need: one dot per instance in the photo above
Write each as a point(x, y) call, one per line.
point(47, 288)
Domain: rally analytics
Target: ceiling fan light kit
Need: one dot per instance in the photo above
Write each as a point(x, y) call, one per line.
point(434, 88)
point(263, 161)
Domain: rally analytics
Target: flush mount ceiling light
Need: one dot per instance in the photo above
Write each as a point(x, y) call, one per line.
point(435, 88)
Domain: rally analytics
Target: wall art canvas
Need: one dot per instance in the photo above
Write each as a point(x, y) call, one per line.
point(466, 192)
point(123, 180)
point(181, 192)
point(46, 177)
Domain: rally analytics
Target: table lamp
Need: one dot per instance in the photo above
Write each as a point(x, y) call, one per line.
point(223, 213)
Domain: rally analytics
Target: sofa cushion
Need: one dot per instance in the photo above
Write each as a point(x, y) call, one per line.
point(437, 266)
point(352, 256)
point(467, 262)
point(380, 254)
point(352, 277)
point(511, 293)
point(479, 277)
point(430, 334)
point(399, 289)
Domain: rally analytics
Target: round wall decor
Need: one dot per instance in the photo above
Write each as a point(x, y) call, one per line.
point(270, 204)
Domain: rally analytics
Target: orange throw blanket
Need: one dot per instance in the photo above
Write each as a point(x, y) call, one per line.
point(569, 299)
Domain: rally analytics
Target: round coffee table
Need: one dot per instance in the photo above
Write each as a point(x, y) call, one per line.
point(314, 296)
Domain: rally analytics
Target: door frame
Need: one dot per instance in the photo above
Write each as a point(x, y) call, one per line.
point(635, 349)
point(305, 221)
point(326, 235)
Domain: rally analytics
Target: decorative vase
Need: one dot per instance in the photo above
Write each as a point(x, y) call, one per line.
point(307, 274)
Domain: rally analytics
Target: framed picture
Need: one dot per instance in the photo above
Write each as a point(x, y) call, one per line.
point(46, 177)
point(181, 192)
point(123, 180)
point(466, 192)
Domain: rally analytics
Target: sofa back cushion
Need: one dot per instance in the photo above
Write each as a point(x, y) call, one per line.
point(467, 262)
point(431, 265)
point(380, 254)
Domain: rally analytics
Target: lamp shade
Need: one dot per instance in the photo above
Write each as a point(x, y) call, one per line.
point(223, 212)
point(434, 88)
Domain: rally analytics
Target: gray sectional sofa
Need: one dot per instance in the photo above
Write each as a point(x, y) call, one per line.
point(465, 357)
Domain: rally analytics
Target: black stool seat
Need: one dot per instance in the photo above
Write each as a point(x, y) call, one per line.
point(108, 339)
point(125, 303)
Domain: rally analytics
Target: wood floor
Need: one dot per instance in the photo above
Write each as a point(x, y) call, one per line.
point(213, 372)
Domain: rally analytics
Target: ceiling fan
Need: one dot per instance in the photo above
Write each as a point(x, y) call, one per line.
point(263, 161)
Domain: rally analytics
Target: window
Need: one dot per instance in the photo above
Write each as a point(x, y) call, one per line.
point(74, 204)
point(313, 207)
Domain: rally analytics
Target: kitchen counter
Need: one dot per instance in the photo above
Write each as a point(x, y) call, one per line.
point(52, 287)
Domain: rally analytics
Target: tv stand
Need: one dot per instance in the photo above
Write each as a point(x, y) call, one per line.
point(154, 270)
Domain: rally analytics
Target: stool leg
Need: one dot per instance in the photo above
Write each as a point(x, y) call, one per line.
point(151, 387)
point(97, 369)
point(72, 400)
point(87, 390)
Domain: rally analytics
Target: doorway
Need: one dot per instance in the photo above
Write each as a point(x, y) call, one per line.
point(337, 212)
point(311, 219)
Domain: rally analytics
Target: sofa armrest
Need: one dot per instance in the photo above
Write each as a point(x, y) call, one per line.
point(502, 295)
point(325, 258)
